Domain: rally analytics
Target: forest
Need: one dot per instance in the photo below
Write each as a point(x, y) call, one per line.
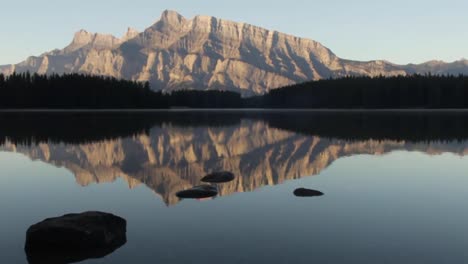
point(31, 128)
point(397, 92)
point(80, 91)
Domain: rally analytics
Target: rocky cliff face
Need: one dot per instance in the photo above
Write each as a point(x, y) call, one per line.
point(211, 53)
point(170, 159)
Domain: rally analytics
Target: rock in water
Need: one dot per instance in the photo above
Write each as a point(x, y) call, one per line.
point(218, 177)
point(75, 237)
point(302, 192)
point(198, 192)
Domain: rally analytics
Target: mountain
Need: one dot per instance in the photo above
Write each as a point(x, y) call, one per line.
point(210, 53)
point(170, 158)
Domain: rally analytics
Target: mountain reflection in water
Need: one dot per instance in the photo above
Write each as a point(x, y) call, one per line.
point(172, 151)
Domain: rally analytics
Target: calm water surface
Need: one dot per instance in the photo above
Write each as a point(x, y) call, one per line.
point(395, 186)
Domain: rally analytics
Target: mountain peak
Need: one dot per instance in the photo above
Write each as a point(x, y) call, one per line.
point(82, 37)
point(172, 18)
point(203, 17)
point(131, 33)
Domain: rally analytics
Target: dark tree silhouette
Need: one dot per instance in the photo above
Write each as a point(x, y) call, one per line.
point(79, 91)
point(416, 91)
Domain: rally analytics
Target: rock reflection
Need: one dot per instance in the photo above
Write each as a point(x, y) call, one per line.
point(219, 177)
point(303, 192)
point(198, 192)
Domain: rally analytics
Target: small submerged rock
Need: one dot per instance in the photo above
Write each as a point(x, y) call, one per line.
point(302, 192)
point(75, 237)
point(198, 192)
point(218, 177)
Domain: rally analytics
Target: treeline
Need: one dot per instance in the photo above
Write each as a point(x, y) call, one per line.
point(72, 91)
point(79, 91)
point(413, 126)
point(415, 91)
point(26, 128)
point(31, 128)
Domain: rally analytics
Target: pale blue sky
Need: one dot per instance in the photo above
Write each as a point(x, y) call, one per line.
point(400, 31)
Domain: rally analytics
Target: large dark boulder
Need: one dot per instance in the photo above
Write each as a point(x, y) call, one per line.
point(75, 237)
point(302, 192)
point(198, 192)
point(218, 177)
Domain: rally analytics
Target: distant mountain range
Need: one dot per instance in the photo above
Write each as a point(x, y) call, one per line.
point(210, 53)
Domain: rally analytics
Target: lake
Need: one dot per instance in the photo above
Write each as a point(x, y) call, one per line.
point(394, 184)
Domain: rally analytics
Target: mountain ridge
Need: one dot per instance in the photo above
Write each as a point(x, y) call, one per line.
point(206, 52)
